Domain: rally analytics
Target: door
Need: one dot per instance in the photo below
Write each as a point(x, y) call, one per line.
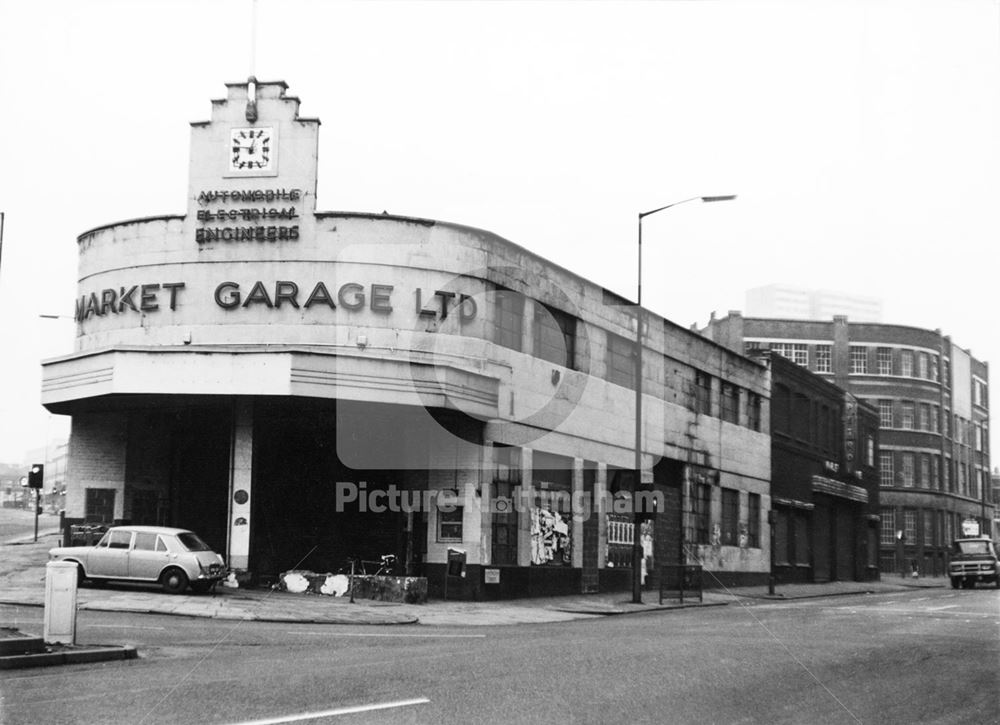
point(111, 559)
point(147, 557)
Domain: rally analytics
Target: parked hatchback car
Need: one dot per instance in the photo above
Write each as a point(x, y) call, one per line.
point(974, 559)
point(174, 558)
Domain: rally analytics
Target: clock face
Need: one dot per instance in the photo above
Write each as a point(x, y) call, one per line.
point(252, 150)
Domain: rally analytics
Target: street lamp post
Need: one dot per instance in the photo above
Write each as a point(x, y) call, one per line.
point(637, 532)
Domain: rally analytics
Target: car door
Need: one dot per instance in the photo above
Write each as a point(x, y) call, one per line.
point(110, 557)
point(147, 557)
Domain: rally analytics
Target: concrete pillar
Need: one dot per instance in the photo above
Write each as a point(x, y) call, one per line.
point(576, 532)
point(600, 496)
point(240, 479)
point(526, 503)
point(486, 497)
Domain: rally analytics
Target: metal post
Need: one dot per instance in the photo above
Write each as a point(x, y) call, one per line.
point(637, 531)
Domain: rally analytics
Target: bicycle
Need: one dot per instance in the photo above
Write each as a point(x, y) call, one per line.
point(385, 566)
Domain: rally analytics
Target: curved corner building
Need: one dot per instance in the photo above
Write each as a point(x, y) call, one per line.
point(932, 398)
point(301, 387)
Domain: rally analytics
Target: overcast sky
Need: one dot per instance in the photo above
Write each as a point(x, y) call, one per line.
point(861, 137)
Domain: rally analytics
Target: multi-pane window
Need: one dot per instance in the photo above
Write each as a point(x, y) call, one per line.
point(701, 506)
point(888, 528)
point(859, 360)
point(922, 365)
point(907, 469)
point(925, 470)
point(702, 393)
point(884, 359)
point(555, 335)
point(925, 416)
point(910, 526)
point(509, 319)
point(935, 464)
point(753, 411)
point(979, 396)
point(450, 524)
point(620, 361)
point(906, 363)
point(753, 520)
point(906, 409)
point(730, 517)
point(934, 419)
point(730, 403)
point(946, 474)
point(824, 359)
point(885, 413)
point(934, 367)
point(796, 352)
point(928, 527)
point(885, 469)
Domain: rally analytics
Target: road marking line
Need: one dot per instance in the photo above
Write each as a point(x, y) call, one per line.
point(338, 711)
point(121, 626)
point(376, 634)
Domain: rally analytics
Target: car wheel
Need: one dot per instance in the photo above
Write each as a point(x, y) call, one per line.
point(201, 587)
point(174, 581)
point(955, 581)
point(81, 575)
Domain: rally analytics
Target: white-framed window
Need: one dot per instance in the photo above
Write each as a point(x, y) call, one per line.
point(925, 416)
point(824, 359)
point(887, 519)
point(934, 367)
point(906, 363)
point(979, 393)
point(884, 359)
point(935, 413)
point(450, 524)
point(922, 365)
point(907, 469)
point(859, 360)
point(910, 526)
point(925, 470)
point(935, 465)
point(906, 409)
point(885, 468)
point(798, 353)
point(885, 413)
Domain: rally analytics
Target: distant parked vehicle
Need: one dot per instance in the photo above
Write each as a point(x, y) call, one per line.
point(974, 559)
point(174, 558)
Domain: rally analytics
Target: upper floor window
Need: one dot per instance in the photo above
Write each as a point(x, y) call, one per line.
point(620, 361)
point(753, 411)
point(859, 360)
point(979, 396)
point(907, 415)
point(906, 363)
point(907, 461)
point(555, 335)
point(509, 319)
point(702, 393)
point(934, 367)
point(824, 359)
point(922, 365)
point(885, 468)
point(884, 358)
point(885, 413)
point(730, 403)
point(796, 352)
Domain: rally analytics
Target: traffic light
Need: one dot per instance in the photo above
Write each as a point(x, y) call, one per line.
point(36, 475)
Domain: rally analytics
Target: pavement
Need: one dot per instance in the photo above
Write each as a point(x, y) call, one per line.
point(22, 583)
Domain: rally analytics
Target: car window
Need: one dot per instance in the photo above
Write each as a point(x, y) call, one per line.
point(105, 539)
point(160, 546)
point(120, 539)
point(144, 541)
point(191, 542)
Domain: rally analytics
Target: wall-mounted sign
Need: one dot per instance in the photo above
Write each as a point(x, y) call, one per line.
point(248, 215)
point(491, 576)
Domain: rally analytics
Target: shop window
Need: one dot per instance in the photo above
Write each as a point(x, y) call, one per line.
point(803, 552)
point(730, 516)
point(620, 361)
point(509, 319)
point(753, 520)
point(781, 542)
point(506, 485)
point(552, 513)
point(450, 524)
point(555, 335)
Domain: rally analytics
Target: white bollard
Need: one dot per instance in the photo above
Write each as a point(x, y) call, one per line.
point(60, 602)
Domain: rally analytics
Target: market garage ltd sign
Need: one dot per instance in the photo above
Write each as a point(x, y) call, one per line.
point(351, 296)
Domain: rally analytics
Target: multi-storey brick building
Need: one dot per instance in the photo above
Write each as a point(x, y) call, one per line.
point(296, 385)
point(932, 398)
point(824, 478)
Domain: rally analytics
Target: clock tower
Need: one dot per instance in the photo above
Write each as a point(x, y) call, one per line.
point(252, 170)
